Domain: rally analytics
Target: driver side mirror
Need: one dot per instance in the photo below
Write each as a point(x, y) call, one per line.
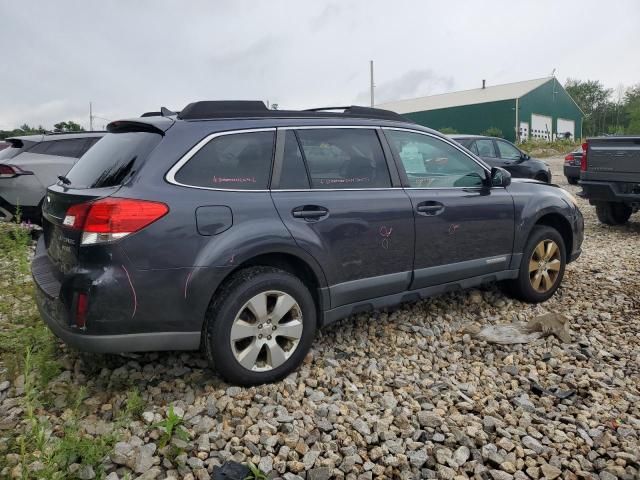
point(500, 177)
point(524, 156)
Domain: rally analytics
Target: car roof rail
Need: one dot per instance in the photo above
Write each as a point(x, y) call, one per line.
point(223, 108)
point(367, 112)
point(212, 109)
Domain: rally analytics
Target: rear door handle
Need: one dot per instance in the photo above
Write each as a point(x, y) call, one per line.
point(310, 212)
point(430, 208)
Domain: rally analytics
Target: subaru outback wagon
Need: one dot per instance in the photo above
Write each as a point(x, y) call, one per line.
point(240, 230)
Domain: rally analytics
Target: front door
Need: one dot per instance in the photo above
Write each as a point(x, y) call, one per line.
point(333, 191)
point(463, 228)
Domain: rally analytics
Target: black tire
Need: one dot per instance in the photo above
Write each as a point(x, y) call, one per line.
point(521, 287)
point(542, 177)
point(572, 180)
point(228, 302)
point(613, 213)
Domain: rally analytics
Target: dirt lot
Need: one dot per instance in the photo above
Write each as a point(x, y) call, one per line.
point(398, 395)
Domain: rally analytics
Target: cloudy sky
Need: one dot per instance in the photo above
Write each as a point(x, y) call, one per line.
point(130, 57)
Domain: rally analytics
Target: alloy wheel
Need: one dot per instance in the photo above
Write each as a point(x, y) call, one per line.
point(266, 331)
point(544, 266)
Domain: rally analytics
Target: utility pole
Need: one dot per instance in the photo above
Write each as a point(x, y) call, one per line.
point(90, 117)
point(372, 84)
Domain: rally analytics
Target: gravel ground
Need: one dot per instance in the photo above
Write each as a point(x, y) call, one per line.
point(403, 394)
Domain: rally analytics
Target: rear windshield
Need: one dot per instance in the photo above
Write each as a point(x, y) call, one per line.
point(112, 160)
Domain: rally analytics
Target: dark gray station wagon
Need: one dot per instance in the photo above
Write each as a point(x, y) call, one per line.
point(242, 230)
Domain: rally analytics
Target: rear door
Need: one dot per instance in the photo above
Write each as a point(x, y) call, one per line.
point(463, 228)
point(486, 149)
point(334, 192)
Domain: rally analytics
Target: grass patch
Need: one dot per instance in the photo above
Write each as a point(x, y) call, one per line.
point(542, 149)
point(45, 444)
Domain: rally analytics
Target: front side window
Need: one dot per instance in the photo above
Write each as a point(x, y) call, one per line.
point(433, 163)
point(236, 161)
point(508, 151)
point(485, 148)
point(344, 158)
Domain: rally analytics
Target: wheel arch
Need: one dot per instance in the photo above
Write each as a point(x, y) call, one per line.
point(558, 222)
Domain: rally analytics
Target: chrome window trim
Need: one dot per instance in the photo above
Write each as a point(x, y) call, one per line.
point(171, 174)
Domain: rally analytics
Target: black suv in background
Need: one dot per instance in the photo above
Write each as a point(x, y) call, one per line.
point(498, 152)
point(243, 230)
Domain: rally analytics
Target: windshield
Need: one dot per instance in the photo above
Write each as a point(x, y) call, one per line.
point(112, 160)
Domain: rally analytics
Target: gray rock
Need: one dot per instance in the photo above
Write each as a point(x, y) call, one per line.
point(86, 473)
point(533, 444)
point(460, 456)
point(144, 459)
point(322, 473)
point(310, 458)
point(361, 427)
point(429, 419)
point(500, 475)
point(550, 472)
point(417, 458)
point(266, 464)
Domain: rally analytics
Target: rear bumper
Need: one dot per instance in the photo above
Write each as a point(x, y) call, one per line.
point(571, 171)
point(132, 342)
point(128, 311)
point(623, 192)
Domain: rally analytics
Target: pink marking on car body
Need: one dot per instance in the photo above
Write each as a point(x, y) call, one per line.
point(133, 290)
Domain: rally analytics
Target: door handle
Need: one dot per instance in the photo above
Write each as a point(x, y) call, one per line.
point(430, 208)
point(310, 212)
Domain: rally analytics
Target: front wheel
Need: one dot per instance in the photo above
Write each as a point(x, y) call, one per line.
point(613, 213)
point(541, 177)
point(260, 326)
point(542, 266)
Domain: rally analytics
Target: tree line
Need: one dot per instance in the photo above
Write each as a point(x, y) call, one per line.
point(26, 129)
point(607, 111)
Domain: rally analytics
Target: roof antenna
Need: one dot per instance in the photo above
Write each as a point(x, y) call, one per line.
point(166, 112)
point(553, 72)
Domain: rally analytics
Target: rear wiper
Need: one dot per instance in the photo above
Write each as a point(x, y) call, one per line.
point(64, 179)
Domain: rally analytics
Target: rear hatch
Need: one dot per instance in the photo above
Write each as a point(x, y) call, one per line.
point(614, 159)
point(100, 173)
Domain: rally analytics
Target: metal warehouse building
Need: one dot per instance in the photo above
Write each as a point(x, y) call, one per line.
point(539, 108)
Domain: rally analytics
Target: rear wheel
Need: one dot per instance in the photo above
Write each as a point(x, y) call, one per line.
point(613, 213)
point(572, 180)
point(260, 326)
point(542, 266)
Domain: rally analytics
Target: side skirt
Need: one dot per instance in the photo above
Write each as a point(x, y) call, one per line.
point(330, 316)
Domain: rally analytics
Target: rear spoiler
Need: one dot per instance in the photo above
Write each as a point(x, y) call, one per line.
point(147, 124)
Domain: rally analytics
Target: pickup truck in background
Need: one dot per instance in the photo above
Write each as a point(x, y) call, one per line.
point(610, 177)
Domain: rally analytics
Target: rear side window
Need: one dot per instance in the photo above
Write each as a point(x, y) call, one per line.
point(485, 148)
point(237, 161)
point(113, 160)
point(344, 158)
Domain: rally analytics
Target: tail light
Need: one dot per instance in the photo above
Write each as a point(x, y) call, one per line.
point(10, 171)
point(583, 163)
point(110, 219)
point(569, 158)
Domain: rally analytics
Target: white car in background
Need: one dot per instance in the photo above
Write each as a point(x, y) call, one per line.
point(31, 164)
